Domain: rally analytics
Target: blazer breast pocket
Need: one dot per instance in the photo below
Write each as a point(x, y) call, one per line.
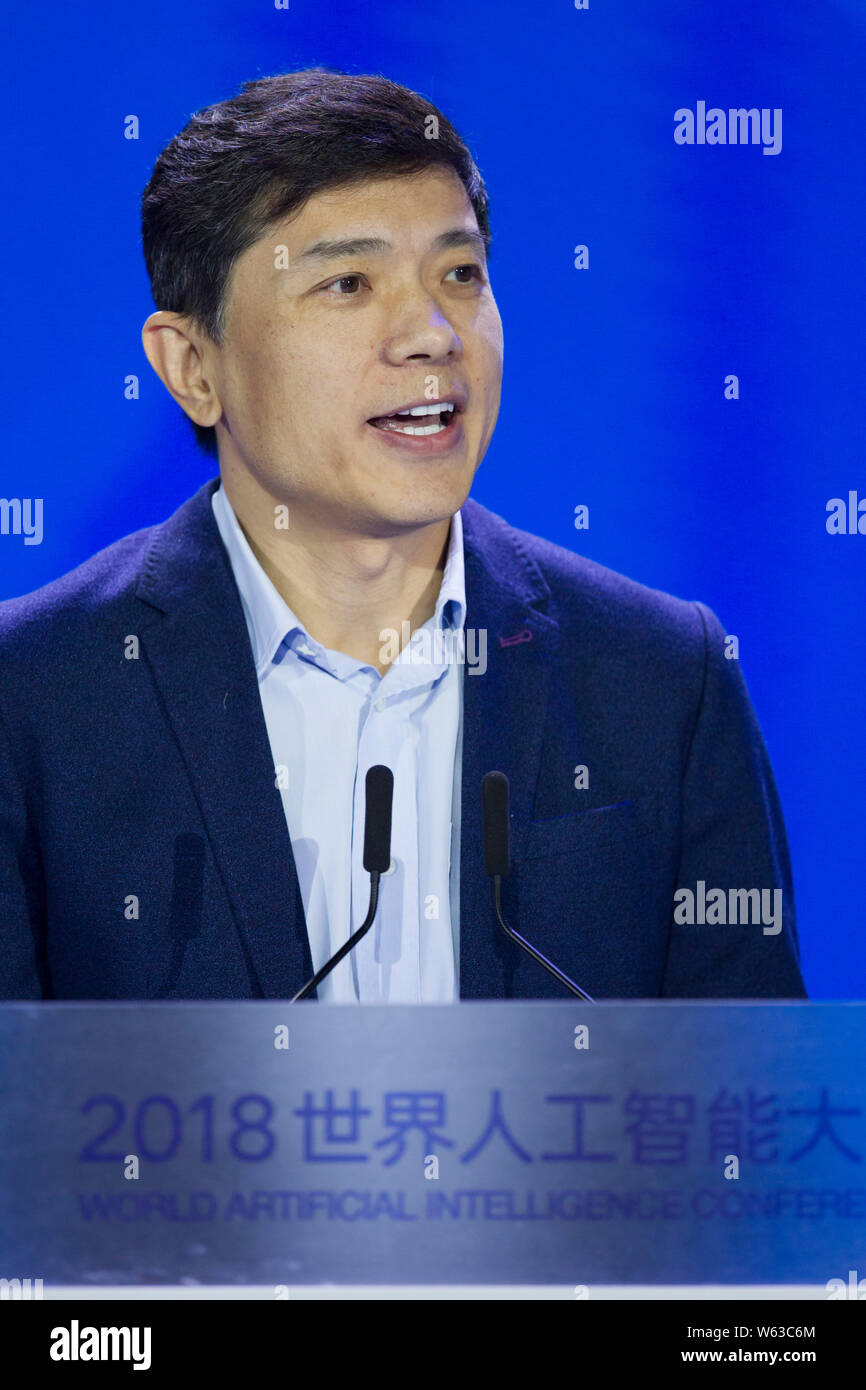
point(593, 829)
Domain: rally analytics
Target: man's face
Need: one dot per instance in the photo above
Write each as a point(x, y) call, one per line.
point(323, 339)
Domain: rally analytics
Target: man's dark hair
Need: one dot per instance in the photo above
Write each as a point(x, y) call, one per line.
point(244, 164)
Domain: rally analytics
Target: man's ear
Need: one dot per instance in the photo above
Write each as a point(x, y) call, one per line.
point(175, 348)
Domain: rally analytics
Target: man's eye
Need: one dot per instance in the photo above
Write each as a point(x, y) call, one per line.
point(470, 271)
point(346, 287)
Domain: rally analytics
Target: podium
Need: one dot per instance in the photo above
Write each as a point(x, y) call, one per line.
point(276, 1146)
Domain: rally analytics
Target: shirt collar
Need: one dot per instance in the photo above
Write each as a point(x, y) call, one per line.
point(450, 608)
point(270, 620)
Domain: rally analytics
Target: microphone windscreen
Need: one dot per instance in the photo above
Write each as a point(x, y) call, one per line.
point(377, 820)
point(494, 804)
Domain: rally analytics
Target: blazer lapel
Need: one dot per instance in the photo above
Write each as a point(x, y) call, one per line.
point(196, 641)
point(503, 723)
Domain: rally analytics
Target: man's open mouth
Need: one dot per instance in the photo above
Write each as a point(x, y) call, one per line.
point(419, 420)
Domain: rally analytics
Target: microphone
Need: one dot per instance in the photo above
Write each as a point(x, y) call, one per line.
point(497, 864)
point(379, 788)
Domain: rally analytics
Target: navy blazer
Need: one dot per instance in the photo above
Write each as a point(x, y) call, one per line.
point(144, 852)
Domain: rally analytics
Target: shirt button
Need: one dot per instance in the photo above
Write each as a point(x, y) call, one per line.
point(379, 706)
point(390, 869)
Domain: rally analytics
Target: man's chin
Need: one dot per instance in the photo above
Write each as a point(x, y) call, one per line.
point(399, 520)
point(426, 497)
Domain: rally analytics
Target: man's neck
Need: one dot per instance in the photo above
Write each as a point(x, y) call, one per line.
point(347, 589)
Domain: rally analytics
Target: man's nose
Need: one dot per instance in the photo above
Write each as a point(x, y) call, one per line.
point(420, 329)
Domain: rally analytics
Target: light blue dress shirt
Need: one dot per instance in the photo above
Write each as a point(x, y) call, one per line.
point(329, 718)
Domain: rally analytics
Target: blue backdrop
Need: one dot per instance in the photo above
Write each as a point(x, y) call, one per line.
point(704, 261)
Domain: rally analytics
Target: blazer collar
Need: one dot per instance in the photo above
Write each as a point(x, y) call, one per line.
point(197, 644)
point(182, 546)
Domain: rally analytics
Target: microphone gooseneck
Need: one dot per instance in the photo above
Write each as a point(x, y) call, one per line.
point(497, 865)
point(379, 788)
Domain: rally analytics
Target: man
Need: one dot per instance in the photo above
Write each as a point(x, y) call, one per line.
point(188, 718)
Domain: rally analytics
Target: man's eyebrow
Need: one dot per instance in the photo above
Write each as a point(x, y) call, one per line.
point(461, 236)
point(377, 246)
point(353, 246)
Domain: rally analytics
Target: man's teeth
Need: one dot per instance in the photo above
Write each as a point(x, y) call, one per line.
point(395, 421)
point(436, 428)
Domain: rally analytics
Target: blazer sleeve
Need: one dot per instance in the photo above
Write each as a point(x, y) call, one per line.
point(732, 837)
point(22, 959)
